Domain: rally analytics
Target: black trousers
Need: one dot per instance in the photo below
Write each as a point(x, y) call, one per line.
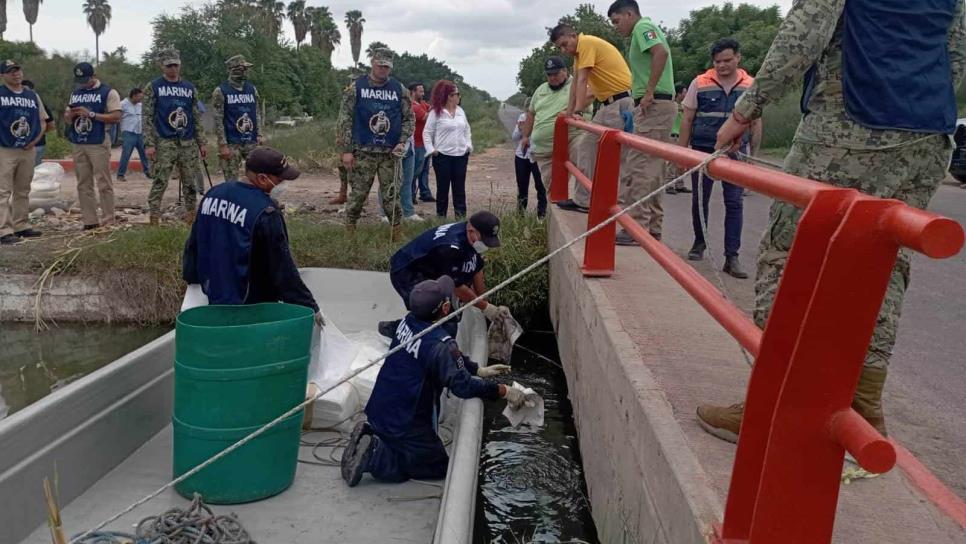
point(450, 172)
point(524, 169)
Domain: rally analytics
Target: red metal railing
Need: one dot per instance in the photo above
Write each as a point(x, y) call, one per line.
point(798, 421)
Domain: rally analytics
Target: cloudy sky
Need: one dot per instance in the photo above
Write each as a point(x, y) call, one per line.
point(484, 45)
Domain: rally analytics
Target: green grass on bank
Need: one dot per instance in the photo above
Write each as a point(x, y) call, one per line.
point(144, 264)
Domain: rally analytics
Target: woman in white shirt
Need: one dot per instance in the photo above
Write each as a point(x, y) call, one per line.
point(448, 139)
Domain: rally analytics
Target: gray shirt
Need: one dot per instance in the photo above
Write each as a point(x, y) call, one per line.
point(130, 116)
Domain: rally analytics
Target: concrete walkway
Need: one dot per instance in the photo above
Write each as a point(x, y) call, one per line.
point(640, 355)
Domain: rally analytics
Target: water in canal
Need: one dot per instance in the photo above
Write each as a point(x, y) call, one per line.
point(531, 481)
point(33, 364)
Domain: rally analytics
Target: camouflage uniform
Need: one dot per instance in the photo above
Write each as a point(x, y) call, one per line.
point(233, 167)
point(171, 153)
point(373, 161)
point(830, 147)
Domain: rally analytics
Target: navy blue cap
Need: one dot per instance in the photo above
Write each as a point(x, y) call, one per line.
point(428, 296)
point(553, 65)
point(83, 72)
point(489, 227)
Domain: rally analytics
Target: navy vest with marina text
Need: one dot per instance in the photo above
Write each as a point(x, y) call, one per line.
point(174, 102)
point(241, 114)
point(378, 115)
point(19, 117)
point(896, 70)
point(85, 130)
point(224, 229)
point(461, 270)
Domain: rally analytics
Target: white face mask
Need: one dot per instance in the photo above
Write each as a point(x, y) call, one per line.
point(279, 190)
point(480, 247)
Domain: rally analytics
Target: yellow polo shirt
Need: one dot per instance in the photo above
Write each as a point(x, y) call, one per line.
point(609, 73)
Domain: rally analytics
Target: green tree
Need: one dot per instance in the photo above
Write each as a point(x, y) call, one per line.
point(354, 21)
point(30, 12)
point(325, 33)
point(272, 14)
point(373, 46)
point(98, 16)
point(754, 28)
point(300, 20)
point(585, 19)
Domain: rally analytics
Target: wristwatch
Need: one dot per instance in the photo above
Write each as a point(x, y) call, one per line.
point(91, 114)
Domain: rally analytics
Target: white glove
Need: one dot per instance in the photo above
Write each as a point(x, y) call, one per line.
point(492, 311)
point(319, 319)
point(515, 398)
point(492, 371)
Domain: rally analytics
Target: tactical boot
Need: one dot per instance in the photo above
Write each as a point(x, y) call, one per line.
point(341, 199)
point(357, 453)
point(388, 328)
point(189, 217)
point(396, 234)
point(868, 397)
point(733, 268)
point(350, 230)
point(697, 251)
point(154, 220)
point(723, 422)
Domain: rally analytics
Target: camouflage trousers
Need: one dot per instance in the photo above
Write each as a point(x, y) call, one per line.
point(234, 166)
point(911, 173)
point(186, 159)
point(369, 165)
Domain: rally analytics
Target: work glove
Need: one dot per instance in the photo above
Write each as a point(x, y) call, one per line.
point(319, 319)
point(492, 371)
point(515, 398)
point(492, 311)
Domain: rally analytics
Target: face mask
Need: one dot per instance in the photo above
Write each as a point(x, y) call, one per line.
point(238, 75)
point(278, 190)
point(558, 87)
point(480, 247)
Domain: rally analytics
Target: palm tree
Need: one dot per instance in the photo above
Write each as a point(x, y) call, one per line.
point(98, 16)
point(274, 13)
point(371, 50)
point(354, 22)
point(30, 9)
point(299, 19)
point(3, 17)
point(325, 33)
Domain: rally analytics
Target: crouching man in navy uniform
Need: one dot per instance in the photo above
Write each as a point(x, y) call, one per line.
point(238, 250)
point(399, 441)
point(454, 249)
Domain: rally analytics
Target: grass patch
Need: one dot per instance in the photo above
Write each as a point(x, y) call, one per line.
point(781, 121)
point(487, 132)
point(311, 146)
point(144, 264)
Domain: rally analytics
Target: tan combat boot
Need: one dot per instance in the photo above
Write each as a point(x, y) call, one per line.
point(868, 397)
point(396, 234)
point(341, 199)
point(154, 220)
point(350, 230)
point(722, 421)
point(189, 217)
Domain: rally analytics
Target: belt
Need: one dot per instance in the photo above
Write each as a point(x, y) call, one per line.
point(658, 96)
point(616, 97)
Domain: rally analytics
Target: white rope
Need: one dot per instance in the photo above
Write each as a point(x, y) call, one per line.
point(400, 347)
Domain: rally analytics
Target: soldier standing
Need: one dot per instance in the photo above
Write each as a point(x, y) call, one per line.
point(880, 127)
point(93, 105)
point(173, 134)
point(235, 103)
point(375, 121)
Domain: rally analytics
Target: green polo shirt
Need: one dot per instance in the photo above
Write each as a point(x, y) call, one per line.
point(545, 104)
point(646, 35)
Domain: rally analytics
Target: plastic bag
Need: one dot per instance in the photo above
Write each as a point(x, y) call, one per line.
point(526, 415)
point(194, 296)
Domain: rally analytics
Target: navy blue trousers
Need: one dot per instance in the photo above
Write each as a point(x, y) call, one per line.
point(418, 454)
point(734, 209)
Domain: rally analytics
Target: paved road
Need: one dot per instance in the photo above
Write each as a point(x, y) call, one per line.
point(924, 395)
point(508, 116)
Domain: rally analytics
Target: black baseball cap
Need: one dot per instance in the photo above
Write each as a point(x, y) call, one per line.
point(9, 66)
point(429, 295)
point(265, 160)
point(553, 65)
point(489, 227)
point(83, 72)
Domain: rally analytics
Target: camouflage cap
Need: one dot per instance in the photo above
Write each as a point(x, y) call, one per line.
point(237, 61)
point(382, 57)
point(169, 56)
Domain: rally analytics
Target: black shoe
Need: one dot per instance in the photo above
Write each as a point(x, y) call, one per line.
point(427, 198)
point(625, 239)
point(671, 190)
point(733, 268)
point(90, 227)
point(572, 206)
point(357, 453)
point(683, 189)
point(697, 251)
point(388, 328)
point(28, 233)
point(656, 236)
point(9, 239)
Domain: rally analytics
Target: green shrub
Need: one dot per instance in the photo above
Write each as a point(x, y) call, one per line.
point(57, 147)
point(311, 146)
point(780, 121)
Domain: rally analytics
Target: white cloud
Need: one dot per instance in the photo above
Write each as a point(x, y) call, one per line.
point(483, 40)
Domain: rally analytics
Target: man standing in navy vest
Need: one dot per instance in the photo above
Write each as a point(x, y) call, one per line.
point(375, 121)
point(882, 127)
point(22, 122)
point(707, 104)
point(173, 134)
point(238, 250)
point(235, 104)
point(92, 106)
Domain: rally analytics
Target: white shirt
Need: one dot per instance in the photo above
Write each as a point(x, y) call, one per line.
point(448, 134)
point(518, 138)
point(130, 116)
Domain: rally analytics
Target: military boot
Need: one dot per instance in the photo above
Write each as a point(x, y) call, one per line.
point(396, 234)
point(723, 422)
point(189, 217)
point(154, 220)
point(868, 397)
point(343, 196)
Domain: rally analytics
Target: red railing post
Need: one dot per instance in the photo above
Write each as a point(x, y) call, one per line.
point(559, 178)
point(599, 248)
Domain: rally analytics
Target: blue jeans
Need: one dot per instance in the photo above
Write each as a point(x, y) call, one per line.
point(734, 209)
point(406, 188)
point(421, 175)
point(39, 157)
point(129, 142)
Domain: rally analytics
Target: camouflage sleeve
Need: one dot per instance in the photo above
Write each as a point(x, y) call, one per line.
point(343, 127)
point(218, 108)
point(957, 46)
point(147, 117)
point(199, 128)
point(408, 118)
point(801, 39)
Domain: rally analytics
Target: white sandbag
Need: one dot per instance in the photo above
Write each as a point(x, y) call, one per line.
point(335, 409)
point(49, 169)
point(46, 181)
point(194, 296)
point(332, 355)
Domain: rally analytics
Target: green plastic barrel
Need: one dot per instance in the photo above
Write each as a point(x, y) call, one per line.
point(237, 368)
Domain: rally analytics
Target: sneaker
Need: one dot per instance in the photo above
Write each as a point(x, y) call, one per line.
point(385, 219)
point(570, 205)
point(9, 239)
point(733, 268)
point(697, 251)
point(414, 217)
point(28, 233)
point(357, 453)
point(682, 189)
point(625, 239)
point(722, 422)
point(122, 179)
point(90, 227)
point(388, 328)
point(671, 190)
